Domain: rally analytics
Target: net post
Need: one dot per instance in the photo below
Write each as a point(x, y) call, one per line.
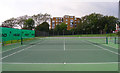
point(106, 40)
point(115, 40)
point(2, 43)
point(21, 41)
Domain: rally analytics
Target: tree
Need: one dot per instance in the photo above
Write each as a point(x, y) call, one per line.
point(29, 24)
point(110, 22)
point(91, 23)
point(73, 31)
point(43, 27)
point(63, 27)
point(106, 28)
point(9, 23)
point(15, 22)
point(60, 28)
point(57, 29)
point(40, 18)
point(97, 23)
point(19, 21)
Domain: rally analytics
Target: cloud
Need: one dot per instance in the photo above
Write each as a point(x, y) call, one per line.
point(15, 8)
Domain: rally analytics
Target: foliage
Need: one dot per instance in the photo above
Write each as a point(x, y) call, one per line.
point(57, 28)
point(19, 21)
point(61, 27)
point(90, 24)
point(29, 24)
point(110, 22)
point(42, 27)
point(9, 23)
point(97, 23)
point(118, 33)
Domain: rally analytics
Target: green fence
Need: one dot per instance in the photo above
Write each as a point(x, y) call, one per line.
point(11, 34)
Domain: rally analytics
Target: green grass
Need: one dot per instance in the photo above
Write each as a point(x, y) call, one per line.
point(11, 42)
point(15, 41)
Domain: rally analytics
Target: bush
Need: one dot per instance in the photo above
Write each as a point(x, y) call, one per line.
point(118, 33)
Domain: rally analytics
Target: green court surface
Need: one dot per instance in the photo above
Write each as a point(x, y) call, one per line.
point(61, 54)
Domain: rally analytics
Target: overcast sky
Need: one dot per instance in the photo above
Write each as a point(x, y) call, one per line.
point(57, 8)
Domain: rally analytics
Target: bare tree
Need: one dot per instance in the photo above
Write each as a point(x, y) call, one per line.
point(40, 18)
point(19, 21)
point(9, 23)
point(16, 22)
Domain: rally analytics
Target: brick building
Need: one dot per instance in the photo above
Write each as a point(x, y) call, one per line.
point(71, 21)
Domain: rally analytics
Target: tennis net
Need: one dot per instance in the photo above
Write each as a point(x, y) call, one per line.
point(68, 40)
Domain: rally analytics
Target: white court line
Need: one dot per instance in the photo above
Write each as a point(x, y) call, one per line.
point(104, 48)
point(83, 49)
point(16, 47)
point(64, 50)
point(12, 49)
point(111, 46)
point(66, 63)
point(17, 52)
point(64, 44)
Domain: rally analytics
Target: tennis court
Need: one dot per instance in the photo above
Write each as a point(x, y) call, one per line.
point(61, 54)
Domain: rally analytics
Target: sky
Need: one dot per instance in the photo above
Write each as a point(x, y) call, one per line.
point(57, 8)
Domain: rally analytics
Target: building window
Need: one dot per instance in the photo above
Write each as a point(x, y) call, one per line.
point(66, 23)
point(75, 18)
point(66, 19)
point(53, 25)
point(56, 18)
point(71, 17)
point(75, 25)
point(66, 16)
point(61, 21)
point(78, 21)
point(53, 21)
point(71, 20)
point(59, 18)
point(71, 24)
point(56, 21)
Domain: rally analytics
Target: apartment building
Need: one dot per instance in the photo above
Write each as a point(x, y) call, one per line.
point(71, 21)
point(56, 21)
